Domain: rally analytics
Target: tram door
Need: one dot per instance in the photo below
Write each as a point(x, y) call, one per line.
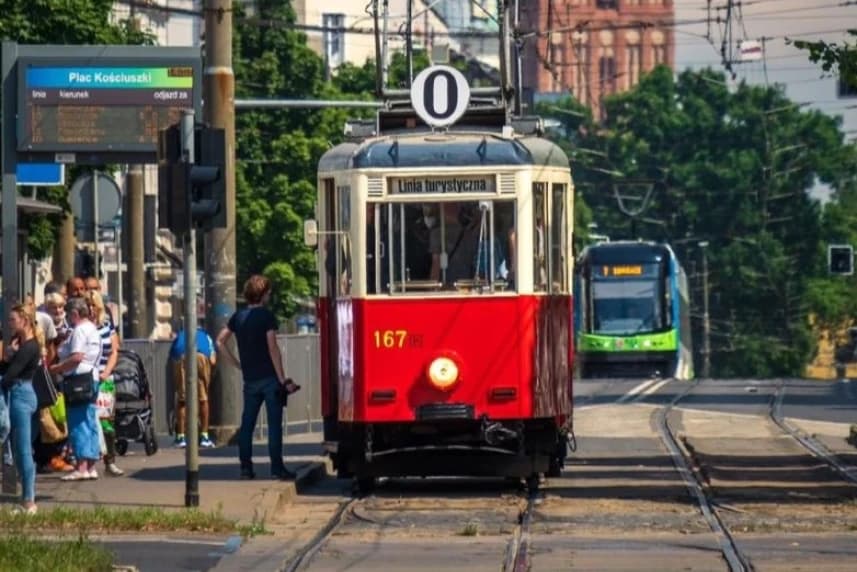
point(328, 254)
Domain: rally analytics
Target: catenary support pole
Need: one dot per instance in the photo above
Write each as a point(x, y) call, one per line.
point(191, 497)
point(706, 322)
point(135, 196)
point(220, 271)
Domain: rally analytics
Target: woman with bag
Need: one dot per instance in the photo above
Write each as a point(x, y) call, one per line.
point(106, 400)
point(22, 358)
point(79, 356)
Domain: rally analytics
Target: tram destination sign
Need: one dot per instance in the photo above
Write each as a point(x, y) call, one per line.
point(442, 185)
point(113, 106)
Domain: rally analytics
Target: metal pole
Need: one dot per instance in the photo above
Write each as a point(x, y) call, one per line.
point(220, 273)
point(706, 324)
point(135, 197)
point(63, 265)
point(409, 43)
point(191, 497)
point(119, 320)
point(95, 222)
point(9, 212)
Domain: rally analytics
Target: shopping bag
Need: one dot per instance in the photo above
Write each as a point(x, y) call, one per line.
point(106, 400)
point(102, 443)
point(49, 430)
point(5, 422)
point(58, 410)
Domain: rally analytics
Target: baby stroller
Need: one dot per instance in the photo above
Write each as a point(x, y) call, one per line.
point(133, 404)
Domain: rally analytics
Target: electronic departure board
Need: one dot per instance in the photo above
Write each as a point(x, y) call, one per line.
point(100, 108)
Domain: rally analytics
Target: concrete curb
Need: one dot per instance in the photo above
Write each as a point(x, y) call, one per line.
point(275, 498)
point(266, 553)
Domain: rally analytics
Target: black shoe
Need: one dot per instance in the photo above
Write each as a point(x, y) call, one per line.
point(247, 474)
point(284, 475)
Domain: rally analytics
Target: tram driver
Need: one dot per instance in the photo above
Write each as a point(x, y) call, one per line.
point(458, 248)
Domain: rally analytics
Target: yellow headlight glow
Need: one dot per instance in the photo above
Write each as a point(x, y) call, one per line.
point(443, 373)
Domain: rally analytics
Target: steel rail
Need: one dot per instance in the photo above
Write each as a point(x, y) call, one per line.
point(517, 558)
point(305, 555)
point(736, 560)
point(807, 442)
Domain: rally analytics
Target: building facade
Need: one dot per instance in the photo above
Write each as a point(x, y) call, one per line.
point(346, 29)
point(593, 48)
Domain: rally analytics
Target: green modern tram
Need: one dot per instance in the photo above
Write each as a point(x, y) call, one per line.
point(632, 312)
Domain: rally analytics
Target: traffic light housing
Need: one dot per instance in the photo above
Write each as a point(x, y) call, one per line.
point(840, 259)
point(207, 179)
point(192, 191)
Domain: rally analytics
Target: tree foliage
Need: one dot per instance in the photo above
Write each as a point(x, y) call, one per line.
point(733, 169)
point(840, 58)
point(67, 22)
point(278, 151)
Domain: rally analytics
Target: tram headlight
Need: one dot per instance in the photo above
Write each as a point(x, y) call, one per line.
point(443, 372)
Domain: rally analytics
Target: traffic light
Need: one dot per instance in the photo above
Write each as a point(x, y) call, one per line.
point(840, 259)
point(192, 191)
point(172, 186)
point(207, 180)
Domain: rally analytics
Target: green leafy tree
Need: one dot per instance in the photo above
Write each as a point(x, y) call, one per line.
point(839, 58)
point(68, 22)
point(278, 150)
point(733, 169)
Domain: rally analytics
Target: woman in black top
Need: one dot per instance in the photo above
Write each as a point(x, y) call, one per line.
point(18, 367)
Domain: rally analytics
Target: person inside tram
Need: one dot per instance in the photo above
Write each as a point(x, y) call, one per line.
point(420, 220)
point(459, 247)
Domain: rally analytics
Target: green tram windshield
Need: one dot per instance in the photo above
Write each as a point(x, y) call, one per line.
point(627, 299)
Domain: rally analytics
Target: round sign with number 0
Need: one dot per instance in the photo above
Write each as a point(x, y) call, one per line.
point(440, 95)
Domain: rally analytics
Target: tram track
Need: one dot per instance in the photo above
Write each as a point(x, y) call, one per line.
point(816, 448)
point(517, 555)
point(735, 558)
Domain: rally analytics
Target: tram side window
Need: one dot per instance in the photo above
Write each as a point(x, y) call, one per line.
point(338, 245)
point(540, 238)
point(559, 231)
point(441, 245)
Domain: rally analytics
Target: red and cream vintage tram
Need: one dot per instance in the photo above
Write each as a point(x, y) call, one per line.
point(445, 307)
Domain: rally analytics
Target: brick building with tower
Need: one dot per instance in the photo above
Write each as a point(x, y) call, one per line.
point(593, 48)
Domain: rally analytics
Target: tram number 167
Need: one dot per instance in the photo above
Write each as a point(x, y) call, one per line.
point(396, 339)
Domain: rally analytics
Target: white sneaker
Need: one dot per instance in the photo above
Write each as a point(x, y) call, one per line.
point(25, 510)
point(113, 470)
point(92, 475)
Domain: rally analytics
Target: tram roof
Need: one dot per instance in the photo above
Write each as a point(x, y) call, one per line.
point(626, 252)
point(453, 150)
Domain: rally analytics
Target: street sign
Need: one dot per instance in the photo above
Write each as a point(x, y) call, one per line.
point(440, 95)
point(90, 209)
point(39, 174)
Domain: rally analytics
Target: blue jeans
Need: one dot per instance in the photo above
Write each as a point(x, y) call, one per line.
point(256, 392)
point(22, 407)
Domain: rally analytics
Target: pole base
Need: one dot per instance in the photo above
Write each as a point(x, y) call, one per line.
point(191, 495)
point(224, 434)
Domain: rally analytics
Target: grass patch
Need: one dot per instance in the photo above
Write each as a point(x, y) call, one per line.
point(19, 552)
point(146, 519)
point(470, 529)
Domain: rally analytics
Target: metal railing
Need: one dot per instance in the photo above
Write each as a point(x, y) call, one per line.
point(301, 362)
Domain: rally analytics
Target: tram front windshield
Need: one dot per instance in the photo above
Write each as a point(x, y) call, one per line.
point(464, 246)
point(626, 306)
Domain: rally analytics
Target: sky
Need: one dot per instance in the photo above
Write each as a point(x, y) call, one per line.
point(776, 20)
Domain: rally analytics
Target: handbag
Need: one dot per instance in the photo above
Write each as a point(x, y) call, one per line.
point(51, 431)
point(43, 385)
point(79, 388)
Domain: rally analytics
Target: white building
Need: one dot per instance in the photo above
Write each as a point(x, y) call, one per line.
point(355, 42)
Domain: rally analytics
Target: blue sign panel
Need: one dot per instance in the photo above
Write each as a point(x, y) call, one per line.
point(40, 174)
